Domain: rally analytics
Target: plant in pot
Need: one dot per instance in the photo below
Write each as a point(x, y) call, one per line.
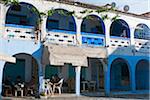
point(43, 95)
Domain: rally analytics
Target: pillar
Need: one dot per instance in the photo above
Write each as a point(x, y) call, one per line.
point(107, 32)
point(78, 29)
point(107, 79)
point(132, 77)
point(2, 19)
point(43, 27)
point(132, 36)
point(1, 75)
point(78, 72)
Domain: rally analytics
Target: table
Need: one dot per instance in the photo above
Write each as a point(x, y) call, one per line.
point(83, 85)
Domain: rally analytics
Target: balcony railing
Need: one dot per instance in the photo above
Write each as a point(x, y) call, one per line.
point(56, 36)
point(142, 45)
point(19, 32)
point(91, 39)
point(119, 41)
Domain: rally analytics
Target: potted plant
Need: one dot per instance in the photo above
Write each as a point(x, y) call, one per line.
point(43, 95)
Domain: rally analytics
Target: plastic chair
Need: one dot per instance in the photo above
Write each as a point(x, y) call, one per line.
point(48, 87)
point(19, 88)
point(58, 86)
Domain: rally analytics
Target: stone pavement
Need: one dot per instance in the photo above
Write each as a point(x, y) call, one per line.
point(73, 97)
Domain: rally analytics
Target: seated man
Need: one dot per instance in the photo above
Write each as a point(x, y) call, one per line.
point(8, 86)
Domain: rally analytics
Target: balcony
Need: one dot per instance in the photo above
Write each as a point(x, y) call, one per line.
point(119, 41)
point(57, 36)
point(13, 31)
point(90, 39)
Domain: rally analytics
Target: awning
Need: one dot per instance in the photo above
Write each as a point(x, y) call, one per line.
point(95, 52)
point(59, 55)
point(7, 58)
point(75, 55)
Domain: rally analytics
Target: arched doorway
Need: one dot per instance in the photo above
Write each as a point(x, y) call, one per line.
point(93, 24)
point(22, 14)
point(142, 31)
point(92, 77)
point(142, 75)
point(26, 70)
point(120, 28)
point(119, 75)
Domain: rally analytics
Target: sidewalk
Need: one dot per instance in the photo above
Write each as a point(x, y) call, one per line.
point(73, 97)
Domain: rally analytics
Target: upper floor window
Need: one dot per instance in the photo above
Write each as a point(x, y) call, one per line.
point(93, 24)
point(22, 14)
point(61, 20)
point(120, 28)
point(142, 31)
point(52, 24)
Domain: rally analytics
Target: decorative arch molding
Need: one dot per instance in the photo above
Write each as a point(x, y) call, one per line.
point(120, 75)
point(101, 22)
point(120, 28)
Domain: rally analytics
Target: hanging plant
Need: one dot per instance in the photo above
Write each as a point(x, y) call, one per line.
point(84, 11)
point(51, 12)
point(71, 13)
point(115, 18)
point(61, 12)
point(11, 2)
point(104, 17)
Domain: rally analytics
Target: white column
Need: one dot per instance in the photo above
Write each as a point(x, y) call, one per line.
point(1, 75)
point(43, 27)
point(2, 19)
point(107, 32)
point(78, 29)
point(132, 36)
point(78, 72)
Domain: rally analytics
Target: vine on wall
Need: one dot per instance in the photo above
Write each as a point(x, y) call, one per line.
point(71, 13)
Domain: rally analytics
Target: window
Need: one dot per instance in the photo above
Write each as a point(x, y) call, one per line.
point(71, 26)
point(83, 28)
point(16, 8)
point(52, 24)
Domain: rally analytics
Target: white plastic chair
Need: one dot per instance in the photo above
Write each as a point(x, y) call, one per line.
point(48, 87)
point(19, 88)
point(58, 86)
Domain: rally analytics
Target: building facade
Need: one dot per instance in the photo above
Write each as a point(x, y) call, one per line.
point(112, 51)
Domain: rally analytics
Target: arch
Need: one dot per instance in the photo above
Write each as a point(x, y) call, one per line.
point(142, 31)
point(98, 26)
point(23, 14)
point(142, 75)
point(61, 20)
point(26, 67)
point(95, 72)
point(120, 75)
point(120, 28)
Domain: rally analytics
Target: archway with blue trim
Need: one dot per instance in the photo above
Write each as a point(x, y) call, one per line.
point(61, 20)
point(120, 75)
point(93, 24)
point(23, 14)
point(142, 31)
point(120, 28)
point(24, 71)
point(142, 75)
